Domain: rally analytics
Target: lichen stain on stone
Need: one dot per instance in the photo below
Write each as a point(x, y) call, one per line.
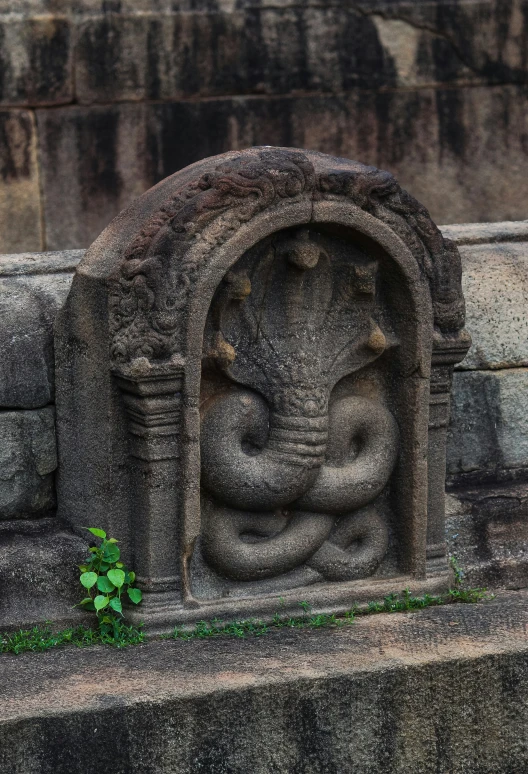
point(16, 137)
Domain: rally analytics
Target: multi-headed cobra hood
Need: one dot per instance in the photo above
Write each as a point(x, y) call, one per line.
point(296, 322)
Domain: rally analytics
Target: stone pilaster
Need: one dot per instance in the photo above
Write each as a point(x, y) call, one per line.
point(152, 401)
point(447, 351)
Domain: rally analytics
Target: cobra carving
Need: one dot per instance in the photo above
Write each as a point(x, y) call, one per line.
point(293, 469)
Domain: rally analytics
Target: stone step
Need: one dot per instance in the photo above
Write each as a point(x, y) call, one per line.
point(440, 691)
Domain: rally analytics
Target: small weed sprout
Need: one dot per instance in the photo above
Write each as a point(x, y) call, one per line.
point(392, 603)
point(39, 638)
point(457, 571)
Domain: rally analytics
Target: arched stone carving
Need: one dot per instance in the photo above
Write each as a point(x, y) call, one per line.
point(254, 371)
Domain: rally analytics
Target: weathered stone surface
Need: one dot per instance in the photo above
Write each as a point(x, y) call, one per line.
point(28, 460)
point(21, 264)
point(442, 690)
point(435, 92)
point(425, 137)
point(488, 435)
point(292, 48)
point(487, 531)
point(39, 577)
point(28, 307)
point(95, 160)
point(495, 281)
point(259, 50)
point(35, 60)
point(20, 214)
point(487, 37)
point(166, 50)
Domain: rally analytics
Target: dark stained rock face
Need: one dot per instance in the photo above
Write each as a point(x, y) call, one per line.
point(126, 93)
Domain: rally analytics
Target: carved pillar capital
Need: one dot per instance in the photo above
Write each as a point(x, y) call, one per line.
point(450, 349)
point(152, 400)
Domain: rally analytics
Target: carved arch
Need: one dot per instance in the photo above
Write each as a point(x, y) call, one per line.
point(203, 214)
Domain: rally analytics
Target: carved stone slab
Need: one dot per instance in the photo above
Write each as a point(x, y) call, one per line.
point(254, 368)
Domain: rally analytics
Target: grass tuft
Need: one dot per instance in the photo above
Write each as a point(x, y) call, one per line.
point(39, 639)
point(392, 603)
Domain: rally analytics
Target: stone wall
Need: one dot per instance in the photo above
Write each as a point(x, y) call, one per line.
point(487, 525)
point(487, 449)
point(100, 99)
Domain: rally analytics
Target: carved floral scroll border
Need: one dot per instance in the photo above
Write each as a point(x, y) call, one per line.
point(145, 306)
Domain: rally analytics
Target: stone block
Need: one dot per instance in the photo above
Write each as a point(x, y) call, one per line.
point(20, 214)
point(28, 307)
point(28, 459)
point(495, 281)
point(487, 37)
point(96, 160)
point(487, 531)
point(488, 435)
point(39, 576)
point(35, 60)
point(441, 690)
point(263, 51)
point(269, 49)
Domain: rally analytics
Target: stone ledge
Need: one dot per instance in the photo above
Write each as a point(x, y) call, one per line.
point(484, 233)
point(442, 690)
point(54, 262)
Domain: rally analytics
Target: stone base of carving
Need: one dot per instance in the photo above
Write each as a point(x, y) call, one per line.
point(160, 613)
point(437, 566)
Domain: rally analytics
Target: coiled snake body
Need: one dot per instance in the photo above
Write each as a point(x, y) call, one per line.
point(295, 490)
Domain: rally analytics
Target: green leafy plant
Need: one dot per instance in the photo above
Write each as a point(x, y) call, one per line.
point(106, 579)
point(457, 571)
